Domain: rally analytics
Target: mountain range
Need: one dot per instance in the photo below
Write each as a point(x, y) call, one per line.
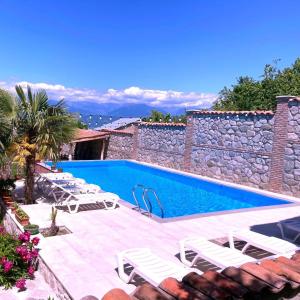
point(117, 110)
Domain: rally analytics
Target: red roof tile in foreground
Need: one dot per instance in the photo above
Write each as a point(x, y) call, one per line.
point(83, 135)
point(221, 112)
point(116, 294)
point(270, 279)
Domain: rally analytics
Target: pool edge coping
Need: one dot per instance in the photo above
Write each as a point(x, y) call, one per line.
point(295, 201)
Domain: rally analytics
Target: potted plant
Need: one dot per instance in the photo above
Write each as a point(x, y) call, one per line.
point(8, 200)
point(53, 166)
point(60, 170)
point(22, 217)
point(14, 207)
point(32, 228)
point(53, 229)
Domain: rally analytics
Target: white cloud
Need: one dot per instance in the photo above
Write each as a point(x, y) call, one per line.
point(162, 98)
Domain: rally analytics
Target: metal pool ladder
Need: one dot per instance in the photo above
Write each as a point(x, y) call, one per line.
point(146, 199)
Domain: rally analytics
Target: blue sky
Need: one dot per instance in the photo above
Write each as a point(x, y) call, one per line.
point(156, 52)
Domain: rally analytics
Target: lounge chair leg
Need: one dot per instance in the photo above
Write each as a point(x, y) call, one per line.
point(284, 236)
point(183, 255)
point(231, 240)
point(281, 230)
point(245, 247)
point(126, 278)
point(73, 211)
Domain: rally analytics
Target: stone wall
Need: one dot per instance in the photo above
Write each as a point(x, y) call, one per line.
point(255, 148)
point(120, 146)
point(235, 147)
point(161, 144)
point(291, 177)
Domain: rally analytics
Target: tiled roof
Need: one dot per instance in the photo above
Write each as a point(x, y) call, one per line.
point(270, 279)
point(129, 130)
point(88, 134)
point(118, 123)
point(161, 124)
point(220, 112)
point(295, 99)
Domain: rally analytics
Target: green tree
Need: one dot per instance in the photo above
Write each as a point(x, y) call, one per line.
point(38, 131)
point(251, 94)
point(81, 125)
point(7, 107)
point(157, 116)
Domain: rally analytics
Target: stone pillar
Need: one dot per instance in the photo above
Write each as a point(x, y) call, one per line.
point(279, 143)
point(103, 144)
point(187, 155)
point(135, 144)
point(72, 151)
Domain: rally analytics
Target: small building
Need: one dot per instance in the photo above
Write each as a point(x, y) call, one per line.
point(119, 124)
point(87, 145)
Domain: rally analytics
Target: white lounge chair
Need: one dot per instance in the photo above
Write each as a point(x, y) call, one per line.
point(149, 266)
point(62, 175)
point(77, 199)
point(218, 255)
point(271, 244)
point(45, 180)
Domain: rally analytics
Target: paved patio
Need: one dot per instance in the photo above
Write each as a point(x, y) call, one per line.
point(37, 289)
point(85, 261)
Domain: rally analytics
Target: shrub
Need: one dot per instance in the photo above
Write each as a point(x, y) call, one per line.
point(18, 256)
point(7, 184)
point(21, 214)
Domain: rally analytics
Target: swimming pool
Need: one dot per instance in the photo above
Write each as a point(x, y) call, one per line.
point(180, 195)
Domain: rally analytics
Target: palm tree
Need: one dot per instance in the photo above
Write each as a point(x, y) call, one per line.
point(7, 113)
point(39, 130)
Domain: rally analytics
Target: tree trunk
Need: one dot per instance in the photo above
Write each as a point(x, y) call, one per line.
point(29, 179)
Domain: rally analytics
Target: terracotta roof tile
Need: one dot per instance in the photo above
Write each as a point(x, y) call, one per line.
point(201, 284)
point(181, 291)
point(294, 265)
point(271, 279)
point(296, 256)
point(295, 99)
point(88, 134)
point(282, 270)
point(129, 130)
point(247, 280)
point(116, 294)
point(161, 124)
point(225, 283)
point(149, 292)
point(220, 112)
point(275, 281)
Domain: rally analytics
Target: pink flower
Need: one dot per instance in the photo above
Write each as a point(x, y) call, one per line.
point(3, 260)
point(24, 237)
point(30, 271)
point(21, 250)
point(27, 257)
point(2, 230)
point(21, 283)
point(35, 241)
point(7, 266)
point(34, 253)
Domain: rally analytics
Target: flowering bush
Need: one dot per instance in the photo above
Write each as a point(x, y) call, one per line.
point(18, 256)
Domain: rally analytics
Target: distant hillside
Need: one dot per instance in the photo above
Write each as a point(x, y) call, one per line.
point(134, 110)
point(111, 109)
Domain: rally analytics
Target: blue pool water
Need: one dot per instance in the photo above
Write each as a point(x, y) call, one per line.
point(180, 195)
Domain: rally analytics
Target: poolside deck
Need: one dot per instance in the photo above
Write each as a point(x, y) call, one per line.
point(85, 262)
